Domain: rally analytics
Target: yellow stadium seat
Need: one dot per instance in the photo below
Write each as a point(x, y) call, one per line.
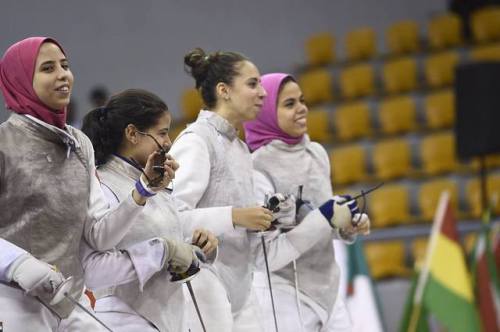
point(320, 49)
point(402, 37)
point(348, 164)
point(357, 81)
point(445, 31)
point(317, 86)
point(352, 121)
point(437, 153)
point(391, 159)
point(386, 259)
point(397, 115)
point(439, 109)
point(429, 193)
point(485, 53)
point(419, 250)
point(191, 104)
point(318, 126)
point(400, 75)
point(485, 24)
point(389, 205)
point(439, 69)
point(473, 193)
point(360, 44)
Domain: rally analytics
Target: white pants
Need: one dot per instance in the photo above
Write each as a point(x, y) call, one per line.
point(288, 318)
point(20, 312)
point(216, 310)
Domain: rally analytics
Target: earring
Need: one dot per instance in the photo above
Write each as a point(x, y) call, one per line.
point(226, 97)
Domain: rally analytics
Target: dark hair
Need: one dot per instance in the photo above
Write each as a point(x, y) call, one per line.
point(105, 125)
point(210, 69)
point(98, 96)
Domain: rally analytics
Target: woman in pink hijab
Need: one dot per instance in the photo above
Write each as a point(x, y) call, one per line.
point(50, 198)
point(284, 159)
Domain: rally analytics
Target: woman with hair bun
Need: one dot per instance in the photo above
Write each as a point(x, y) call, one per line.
point(215, 178)
point(132, 283)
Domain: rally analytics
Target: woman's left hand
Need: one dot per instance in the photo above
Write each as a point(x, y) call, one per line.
point(205, 240)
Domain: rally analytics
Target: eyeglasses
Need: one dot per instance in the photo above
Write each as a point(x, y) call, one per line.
point(158, 163)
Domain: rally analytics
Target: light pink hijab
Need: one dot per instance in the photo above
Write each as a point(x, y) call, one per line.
point(265, 127)
point(17, 68)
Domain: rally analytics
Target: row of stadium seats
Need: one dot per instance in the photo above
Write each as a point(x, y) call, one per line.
point(392, 204)
point(403, 37)
point(390, 116)
point(394, 76)
point(411, 157)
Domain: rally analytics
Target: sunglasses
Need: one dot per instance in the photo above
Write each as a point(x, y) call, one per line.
point(158, 162)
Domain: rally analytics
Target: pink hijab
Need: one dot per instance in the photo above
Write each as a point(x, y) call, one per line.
point(265, 127)
point(17, 68)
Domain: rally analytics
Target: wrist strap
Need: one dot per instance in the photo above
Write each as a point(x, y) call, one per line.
point(326, 210)
point(143, 189)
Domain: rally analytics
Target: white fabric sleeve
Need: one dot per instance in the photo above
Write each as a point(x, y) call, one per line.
point(9, 252)
point(218, 220)
point(286, 247)
point(117, 267)
point(106, 268)
point(190, 183)
point(105, 227)
point(137, 262)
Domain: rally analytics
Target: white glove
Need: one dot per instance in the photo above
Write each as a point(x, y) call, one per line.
point(34, 276)
point(283, 208)
point(179, 255)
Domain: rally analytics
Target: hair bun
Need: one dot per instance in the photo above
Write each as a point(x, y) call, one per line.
point(196, 63)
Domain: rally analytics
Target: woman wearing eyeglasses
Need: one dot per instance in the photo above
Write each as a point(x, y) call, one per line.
point(50, 198)
point(131, 126)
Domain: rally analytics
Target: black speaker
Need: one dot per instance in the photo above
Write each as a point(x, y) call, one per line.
point(477, 95)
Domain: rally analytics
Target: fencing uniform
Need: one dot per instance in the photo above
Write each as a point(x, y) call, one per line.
point(149, 295)
point(52, 201)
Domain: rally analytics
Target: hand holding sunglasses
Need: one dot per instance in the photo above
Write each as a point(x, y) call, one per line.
point(160, 167)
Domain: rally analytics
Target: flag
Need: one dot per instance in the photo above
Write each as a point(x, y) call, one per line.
point(484, 272)
point(422, 324)
point(444, 287)
point(361, 297)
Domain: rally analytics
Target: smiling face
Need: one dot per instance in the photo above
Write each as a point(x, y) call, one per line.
point(292, 110)
point(52, 79)
point(246, 95)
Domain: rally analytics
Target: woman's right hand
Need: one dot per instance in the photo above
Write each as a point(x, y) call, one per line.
point(169, 166)
point(255, 218)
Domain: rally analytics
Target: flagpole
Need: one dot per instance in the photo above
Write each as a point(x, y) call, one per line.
point(483, 184)
point(424, 272)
